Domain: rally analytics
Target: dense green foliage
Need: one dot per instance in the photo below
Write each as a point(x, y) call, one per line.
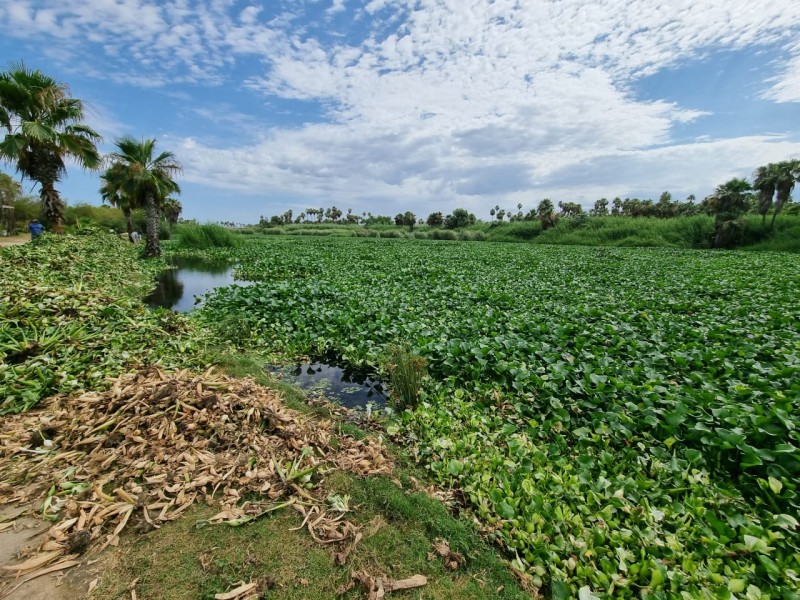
point(623, 420)
point(71, 316)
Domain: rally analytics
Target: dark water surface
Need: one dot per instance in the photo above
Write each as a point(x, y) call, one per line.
point(181, 288)
point(352, 388)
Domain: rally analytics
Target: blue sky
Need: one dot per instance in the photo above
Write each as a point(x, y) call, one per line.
point(425, 105)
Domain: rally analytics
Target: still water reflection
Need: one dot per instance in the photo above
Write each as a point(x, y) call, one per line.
point(182, 288)
point(353, 388)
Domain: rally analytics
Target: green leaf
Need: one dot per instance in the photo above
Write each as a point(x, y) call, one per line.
point(693, 455)
point(454, 467)
point(775, 485)
point(505, 510)
point(559, 590)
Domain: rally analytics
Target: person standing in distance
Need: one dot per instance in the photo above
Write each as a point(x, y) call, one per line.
point(36, 229)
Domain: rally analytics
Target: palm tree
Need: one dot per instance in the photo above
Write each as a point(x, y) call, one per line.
point(147, 178)
point(111, 190)
point(729, 202)
point(785, 175)
point(764, 182)
point(45, 127)
point(544, 212)
point(172, 210)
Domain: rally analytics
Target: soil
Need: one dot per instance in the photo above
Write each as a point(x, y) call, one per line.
point(13, 240)
point(26, 534)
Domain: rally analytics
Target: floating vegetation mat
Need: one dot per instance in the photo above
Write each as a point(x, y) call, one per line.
point(143, 452)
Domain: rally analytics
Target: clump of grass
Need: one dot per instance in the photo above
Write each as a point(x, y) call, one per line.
point(406, 371)
point(392, 234)
point(444, 234)
point(200, 237)
point(472, 236)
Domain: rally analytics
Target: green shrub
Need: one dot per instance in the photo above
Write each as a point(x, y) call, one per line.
point(472, 236)
point(392, 234)
point(194, 236)
point(518, 231)
point(444, 234)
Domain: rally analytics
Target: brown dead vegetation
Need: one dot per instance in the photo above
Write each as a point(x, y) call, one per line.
point(140, 454)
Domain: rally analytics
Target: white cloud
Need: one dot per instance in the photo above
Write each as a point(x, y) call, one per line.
point(786, 85)
point(439, 100)
point(337, 6)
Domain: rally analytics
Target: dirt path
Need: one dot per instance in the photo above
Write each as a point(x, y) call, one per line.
point(13, 240)
point(26, 534)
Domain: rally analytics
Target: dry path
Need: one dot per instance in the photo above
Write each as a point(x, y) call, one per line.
point(13, 240)
point(25, 535)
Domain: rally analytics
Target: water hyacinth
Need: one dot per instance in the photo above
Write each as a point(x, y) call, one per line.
point(623, 421)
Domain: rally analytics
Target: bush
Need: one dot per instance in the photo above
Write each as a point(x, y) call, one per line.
point(444, 234)
point(518, 231)
point(392, 234)
point(472, 236)
point(199, 237)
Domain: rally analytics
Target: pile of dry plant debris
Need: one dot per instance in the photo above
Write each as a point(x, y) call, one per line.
point(156, 443)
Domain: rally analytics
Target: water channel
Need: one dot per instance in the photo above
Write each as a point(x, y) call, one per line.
point(183, 288)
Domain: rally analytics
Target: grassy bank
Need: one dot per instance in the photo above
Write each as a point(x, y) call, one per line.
point(681, 232)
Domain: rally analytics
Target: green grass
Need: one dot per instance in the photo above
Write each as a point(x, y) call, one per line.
point(682, 232)
point(180, 561)
point(199, 237)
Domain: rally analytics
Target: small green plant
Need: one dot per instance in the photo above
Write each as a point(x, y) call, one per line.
point(406, 371)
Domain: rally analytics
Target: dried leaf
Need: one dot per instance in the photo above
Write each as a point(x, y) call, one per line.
point(238, 592)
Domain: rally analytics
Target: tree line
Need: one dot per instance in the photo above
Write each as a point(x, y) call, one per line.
point(770, 190)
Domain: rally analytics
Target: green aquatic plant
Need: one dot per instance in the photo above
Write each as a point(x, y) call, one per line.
point(406, 371)
point(621, 420)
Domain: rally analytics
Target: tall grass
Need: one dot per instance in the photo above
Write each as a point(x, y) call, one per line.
point(200, 237)
point(406, 371)
point(681, 232)
point(783, 237)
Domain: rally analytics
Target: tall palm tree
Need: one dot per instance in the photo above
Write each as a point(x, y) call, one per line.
point(148, 178)
point(45, 127)
point(112, 191)
point(729, 202)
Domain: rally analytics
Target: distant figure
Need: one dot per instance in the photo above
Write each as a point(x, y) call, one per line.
point(36, 229)
point(135, 237)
